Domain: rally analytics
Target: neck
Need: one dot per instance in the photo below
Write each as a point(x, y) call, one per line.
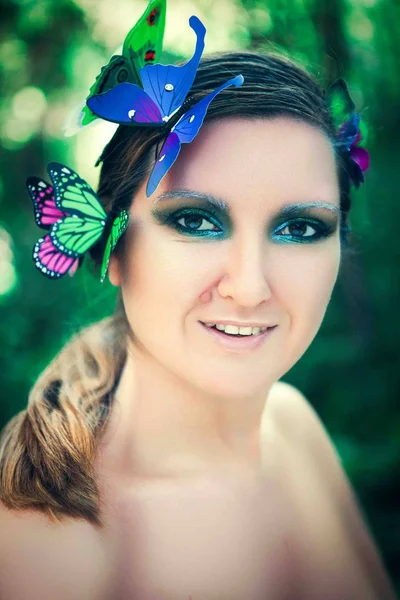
point(161, 426)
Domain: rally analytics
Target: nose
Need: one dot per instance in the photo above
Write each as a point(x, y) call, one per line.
point(245, 279)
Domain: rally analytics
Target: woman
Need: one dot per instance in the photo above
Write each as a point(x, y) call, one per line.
point(159, 457)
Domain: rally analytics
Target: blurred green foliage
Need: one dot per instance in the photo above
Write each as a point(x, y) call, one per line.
point(50, 53)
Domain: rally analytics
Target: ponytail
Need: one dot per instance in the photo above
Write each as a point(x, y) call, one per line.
point(47, 451)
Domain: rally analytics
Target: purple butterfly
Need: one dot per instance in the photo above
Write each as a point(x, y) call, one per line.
point(47, 258)
point(165, 88)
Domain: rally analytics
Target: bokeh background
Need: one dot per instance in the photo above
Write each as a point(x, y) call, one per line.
point(50, 54)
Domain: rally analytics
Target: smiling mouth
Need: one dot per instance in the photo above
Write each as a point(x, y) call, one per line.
point(238, 335)
point(237, 342)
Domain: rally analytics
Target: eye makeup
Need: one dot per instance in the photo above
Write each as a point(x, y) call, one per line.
point(215, 213)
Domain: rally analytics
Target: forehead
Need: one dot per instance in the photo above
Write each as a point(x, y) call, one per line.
point(276, 158)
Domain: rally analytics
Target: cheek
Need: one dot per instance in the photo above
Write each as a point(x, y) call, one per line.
point(161, 276)
point(311, 280)
point(305, 290)
point(322, 275)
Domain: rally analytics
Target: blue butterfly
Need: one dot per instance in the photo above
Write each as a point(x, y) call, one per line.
point(165, 88)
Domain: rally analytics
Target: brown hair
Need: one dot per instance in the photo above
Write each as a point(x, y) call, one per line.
point(47, 450)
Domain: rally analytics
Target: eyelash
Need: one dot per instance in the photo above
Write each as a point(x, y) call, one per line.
point(323, 229)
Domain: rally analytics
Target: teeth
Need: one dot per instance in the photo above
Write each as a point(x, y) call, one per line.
point(231, 329)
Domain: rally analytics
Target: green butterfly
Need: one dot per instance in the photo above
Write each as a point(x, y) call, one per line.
point(342, 107)
point(85, 219)
point(142, 46)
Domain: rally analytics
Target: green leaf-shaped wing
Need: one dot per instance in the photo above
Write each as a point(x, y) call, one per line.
point(73, 194)
point(85, 217)
point(119, 226)
point(142, 46)
point(75, 235)
point(340, 103)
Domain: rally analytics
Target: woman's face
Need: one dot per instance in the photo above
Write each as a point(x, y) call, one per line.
point(187, 260)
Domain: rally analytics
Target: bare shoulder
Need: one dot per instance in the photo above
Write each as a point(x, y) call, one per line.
point(295, 415)
point(302, 425)
point(42, 560)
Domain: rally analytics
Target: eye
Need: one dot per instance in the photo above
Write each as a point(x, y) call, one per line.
point(192, 221)
point(188, 221)
point(302, 227)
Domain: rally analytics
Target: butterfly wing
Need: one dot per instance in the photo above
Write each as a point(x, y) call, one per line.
point(75, 235)
point(168, 155)
point(117, 70)
point(184, 132)
point(119, 226)
point(348, 131)
point(189, 124)
point(355, 173)
point(73, 194)
point(361, 157)
point(340, 104)
point(168, 85)
point(51, 262)
point(142, 46)
point(44, 206)
point(126, 104)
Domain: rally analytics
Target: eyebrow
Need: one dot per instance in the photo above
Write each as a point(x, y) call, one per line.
point(287, 210)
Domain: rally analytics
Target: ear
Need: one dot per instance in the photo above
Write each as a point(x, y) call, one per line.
point(114, 272)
